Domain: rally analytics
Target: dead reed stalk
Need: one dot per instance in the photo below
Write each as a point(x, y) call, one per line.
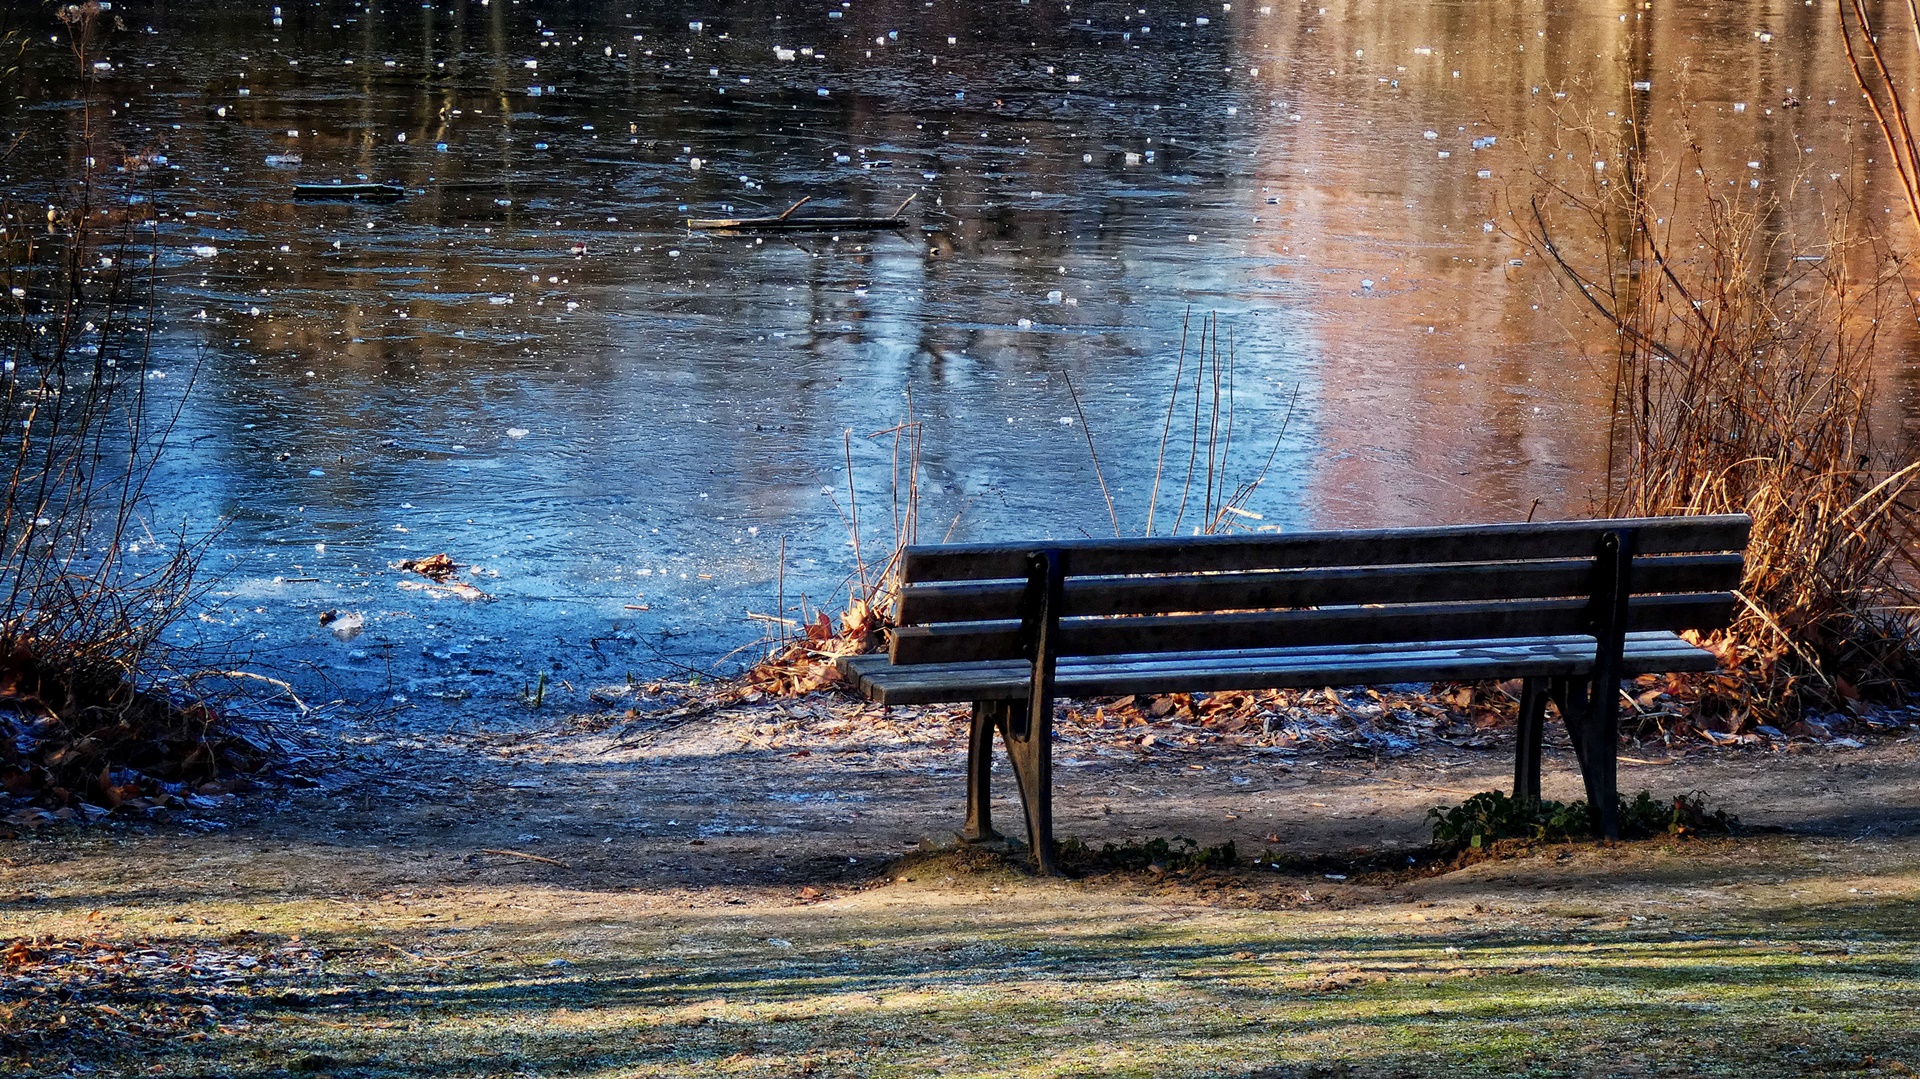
point(806, 662)
point(1868, 49)
point(1223, 499)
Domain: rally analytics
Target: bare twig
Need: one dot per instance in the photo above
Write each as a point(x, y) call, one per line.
point(1093, 453)
point(1173, 398)
point(523, 854)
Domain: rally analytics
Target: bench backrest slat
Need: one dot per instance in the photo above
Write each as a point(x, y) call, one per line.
point(967, 642)
point(1362, 547)
point(923, 604)
point(962, 603)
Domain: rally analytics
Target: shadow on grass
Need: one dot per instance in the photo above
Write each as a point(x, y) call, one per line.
point(851, 993)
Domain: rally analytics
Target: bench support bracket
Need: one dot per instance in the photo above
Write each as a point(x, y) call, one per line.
point(1594, 723)
point(1029, 730)
point(1025, 726)
point(988, 716)
point(1526, 752)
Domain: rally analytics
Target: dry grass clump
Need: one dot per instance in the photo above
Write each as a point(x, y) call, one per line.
point(805, 662)
point(1743, 382)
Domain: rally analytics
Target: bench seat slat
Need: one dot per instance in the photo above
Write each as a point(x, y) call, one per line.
point(967, 642)
point(1395, 546)
point(1085, 596)
point(1275, 668)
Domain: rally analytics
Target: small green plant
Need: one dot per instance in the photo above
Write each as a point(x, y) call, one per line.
point(1494, 815)
point(535, 695)
point(1683, 814)
point(1175, 855)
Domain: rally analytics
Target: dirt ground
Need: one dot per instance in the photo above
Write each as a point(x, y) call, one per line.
point(772, 889)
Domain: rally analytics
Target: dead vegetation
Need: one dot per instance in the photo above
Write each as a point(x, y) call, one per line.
point(89, 582)
point(1743, 382)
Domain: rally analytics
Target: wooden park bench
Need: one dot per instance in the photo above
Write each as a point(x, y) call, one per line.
point(1570, 607)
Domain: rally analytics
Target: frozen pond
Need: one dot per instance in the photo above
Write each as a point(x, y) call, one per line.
point(531, 364)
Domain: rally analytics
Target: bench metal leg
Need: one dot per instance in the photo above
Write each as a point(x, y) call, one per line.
point(1526, 753)
point(1032, 756)
point(988, 716)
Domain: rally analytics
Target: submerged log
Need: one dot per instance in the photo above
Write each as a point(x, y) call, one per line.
point(794, 224)
point(361, 192)
point(788, 223)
